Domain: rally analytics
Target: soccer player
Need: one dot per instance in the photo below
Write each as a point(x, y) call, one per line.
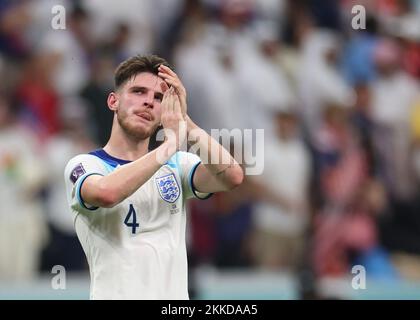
point(128, 202)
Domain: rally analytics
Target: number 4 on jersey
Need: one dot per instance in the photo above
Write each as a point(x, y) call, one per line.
point(133, 223)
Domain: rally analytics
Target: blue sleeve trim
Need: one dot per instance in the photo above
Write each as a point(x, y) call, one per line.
point(194, 190)
point(79, 187)
point(173, 162)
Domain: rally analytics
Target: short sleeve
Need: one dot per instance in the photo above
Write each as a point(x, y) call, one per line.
point(75, 173)
point(187, 164)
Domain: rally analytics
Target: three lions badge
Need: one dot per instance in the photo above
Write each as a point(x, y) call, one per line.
point(168, 188)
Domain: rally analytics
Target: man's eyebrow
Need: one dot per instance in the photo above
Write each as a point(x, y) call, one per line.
point(133, 88)
point(137, 88)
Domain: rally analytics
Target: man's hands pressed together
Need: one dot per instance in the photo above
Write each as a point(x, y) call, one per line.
point(173, 122)
point(172, 79)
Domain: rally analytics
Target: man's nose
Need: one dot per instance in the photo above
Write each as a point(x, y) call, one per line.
point(149, 100)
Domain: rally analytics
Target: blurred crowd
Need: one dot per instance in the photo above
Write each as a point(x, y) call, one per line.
point(340, 109)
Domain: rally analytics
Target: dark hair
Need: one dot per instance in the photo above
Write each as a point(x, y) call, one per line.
point(135, 65)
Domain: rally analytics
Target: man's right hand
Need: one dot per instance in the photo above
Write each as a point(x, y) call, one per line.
point(172, 80)
point(173, 122)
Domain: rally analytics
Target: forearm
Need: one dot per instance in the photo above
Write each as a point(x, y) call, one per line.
point(110, 190)
point(217, 160)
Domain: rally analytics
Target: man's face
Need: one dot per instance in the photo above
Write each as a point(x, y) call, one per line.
point(138, 104)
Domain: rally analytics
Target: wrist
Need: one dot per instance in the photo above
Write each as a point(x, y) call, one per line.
point(166, 150)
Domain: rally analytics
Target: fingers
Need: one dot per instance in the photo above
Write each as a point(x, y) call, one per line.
point(179, 90)
point(171, 78)
point(171, 107)
point(177, 106)
point(173, 81)
point(164, 87)
point(174, 102)
point(167, 101)
point(171, 98)
point(167, 70)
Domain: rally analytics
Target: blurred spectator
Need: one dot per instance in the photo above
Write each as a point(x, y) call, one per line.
point(401, 228)
point(358, 60)
point(405, 25)
point(168, 21)
point(411, 56)
point(232, 226)
point(37, 98)
point(117, 44)
point(15, 18)
point(298, 23)
point(137, 15)
point(393, 96)
point(360, 117)
point(64, 248)
point(201, 236)
point(319, 79)
point(67, 52)
point(95, 95)
point(22, 175)
point(257, 62)
point(326, 13)
point(213, 100)
point(281, 213)
point(341, 170)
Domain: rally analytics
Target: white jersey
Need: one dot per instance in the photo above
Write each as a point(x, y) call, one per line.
point(135, 250)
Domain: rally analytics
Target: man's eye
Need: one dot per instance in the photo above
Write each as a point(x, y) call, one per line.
point(158, 99)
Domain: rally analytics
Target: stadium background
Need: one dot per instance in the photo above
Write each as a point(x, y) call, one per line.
point(340, 109)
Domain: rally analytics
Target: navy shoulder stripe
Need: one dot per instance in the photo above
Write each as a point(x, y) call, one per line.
point(112, 161)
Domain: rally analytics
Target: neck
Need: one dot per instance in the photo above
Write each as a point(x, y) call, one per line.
point(124, 146)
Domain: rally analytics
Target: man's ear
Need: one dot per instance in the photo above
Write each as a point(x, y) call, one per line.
point(113, 101)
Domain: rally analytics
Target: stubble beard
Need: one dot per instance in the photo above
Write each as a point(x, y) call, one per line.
point(133, 131)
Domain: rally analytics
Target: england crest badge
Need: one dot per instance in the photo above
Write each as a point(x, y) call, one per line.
point(168, 188)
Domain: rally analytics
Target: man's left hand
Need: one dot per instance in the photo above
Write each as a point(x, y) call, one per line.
point(172, 79)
